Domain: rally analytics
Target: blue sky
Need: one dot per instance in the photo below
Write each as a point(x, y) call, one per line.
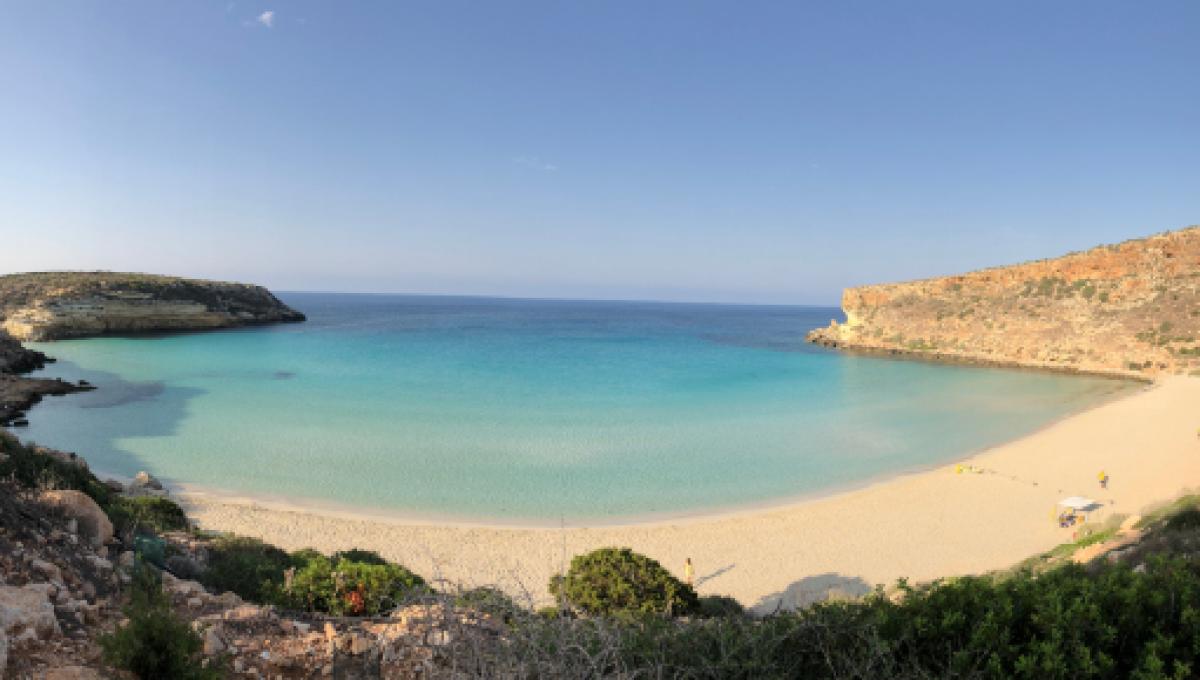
point(734, 151)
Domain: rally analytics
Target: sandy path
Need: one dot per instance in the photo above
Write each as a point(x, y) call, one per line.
point(921, 526)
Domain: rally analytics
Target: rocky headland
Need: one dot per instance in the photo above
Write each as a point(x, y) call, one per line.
point(1131, 309)
point(17, 393)
point(57, 305)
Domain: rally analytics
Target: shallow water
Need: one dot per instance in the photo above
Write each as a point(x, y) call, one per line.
point(533, 410)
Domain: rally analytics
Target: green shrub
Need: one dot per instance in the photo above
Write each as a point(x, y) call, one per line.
point(1184, 520)
point(489, 601)
point(146, 514)
point(618, 580)
point(345, 587)
point(155, 643)
point(1102, 621)
point(245, 566)
point(359, 556)
point(34, 470)
point(719, 606)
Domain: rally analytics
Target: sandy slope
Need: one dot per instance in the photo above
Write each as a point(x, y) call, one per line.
point(921, 526)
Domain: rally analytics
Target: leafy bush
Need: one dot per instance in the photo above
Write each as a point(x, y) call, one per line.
point(1188, 519)
point(618, 580)
point(155, 643)
point(717, 606)
point(346, 587)
point(146, 514)
point(34, 470)
point(359, 556)
point(1100, 621)
point(246, 566)
point(489, 601)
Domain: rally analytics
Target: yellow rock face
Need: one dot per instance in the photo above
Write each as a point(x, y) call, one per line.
point(1128, 309)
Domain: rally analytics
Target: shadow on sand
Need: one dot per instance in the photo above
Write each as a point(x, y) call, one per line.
point(813, 589)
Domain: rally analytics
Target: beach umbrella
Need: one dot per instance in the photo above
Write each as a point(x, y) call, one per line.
point(1078, 503)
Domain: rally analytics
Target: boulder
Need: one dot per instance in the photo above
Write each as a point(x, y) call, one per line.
point(93, 523)
point(213, 644)
point(27, 613)
point(144, 481)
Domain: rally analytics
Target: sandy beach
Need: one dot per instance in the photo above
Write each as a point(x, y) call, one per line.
point(920, 526)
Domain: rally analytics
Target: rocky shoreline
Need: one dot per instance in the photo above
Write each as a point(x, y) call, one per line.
point(58, 305)
point(18, 394)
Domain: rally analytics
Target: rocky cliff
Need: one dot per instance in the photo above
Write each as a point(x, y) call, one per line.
point(16, 359)
point(51, 306)
point(1127, 309)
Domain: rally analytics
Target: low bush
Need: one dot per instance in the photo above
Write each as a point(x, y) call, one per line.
point(359, 556)
point(154, 643)
point(33, 470)
point(344, 586)
point(620, 581)
point(717, 606)
point(1184, 520)
point(246, 566)
point(489, 601)
point(1097, 621)
point(146, 514)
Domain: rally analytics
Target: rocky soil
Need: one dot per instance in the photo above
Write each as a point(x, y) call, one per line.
point(64, 576)
point(1131, 309)
point(55, 305)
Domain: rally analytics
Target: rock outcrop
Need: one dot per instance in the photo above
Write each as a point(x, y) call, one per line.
point(93, 524)
point(1130, 309)
point(16, 359)
point(56, 305)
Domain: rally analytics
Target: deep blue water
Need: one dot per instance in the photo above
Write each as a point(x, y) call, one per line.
point(531, 410)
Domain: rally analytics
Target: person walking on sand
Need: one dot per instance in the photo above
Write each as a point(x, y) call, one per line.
point(1103, 479)
point(689, 573)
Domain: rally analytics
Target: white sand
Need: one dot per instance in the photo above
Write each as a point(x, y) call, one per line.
point(921, 526)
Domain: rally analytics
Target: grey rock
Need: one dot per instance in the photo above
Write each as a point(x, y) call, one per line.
point(213, 644)
point(27, 613)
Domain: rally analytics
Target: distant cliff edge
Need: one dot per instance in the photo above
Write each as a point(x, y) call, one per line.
point(1129, 309)
point(56, 305)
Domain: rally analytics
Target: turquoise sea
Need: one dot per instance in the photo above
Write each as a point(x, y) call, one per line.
point(530, 410)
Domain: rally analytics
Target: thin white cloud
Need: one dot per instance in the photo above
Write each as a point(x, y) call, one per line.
point(267, 18)
point(536, 163)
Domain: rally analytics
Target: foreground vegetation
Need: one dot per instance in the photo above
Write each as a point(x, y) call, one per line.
point(620, 614)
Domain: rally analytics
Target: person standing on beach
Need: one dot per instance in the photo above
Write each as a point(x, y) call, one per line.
point(689, 572)
point(1103, 479)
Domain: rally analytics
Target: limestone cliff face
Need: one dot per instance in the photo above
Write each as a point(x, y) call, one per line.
point(1128, 309)
point(51, 306)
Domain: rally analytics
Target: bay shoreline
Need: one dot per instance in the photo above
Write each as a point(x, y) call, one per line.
point(921, 525)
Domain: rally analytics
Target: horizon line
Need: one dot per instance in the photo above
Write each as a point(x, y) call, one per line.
point(483, 296)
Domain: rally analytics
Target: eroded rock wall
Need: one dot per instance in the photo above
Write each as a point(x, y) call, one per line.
point(1128, 309)
point(51, 306)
